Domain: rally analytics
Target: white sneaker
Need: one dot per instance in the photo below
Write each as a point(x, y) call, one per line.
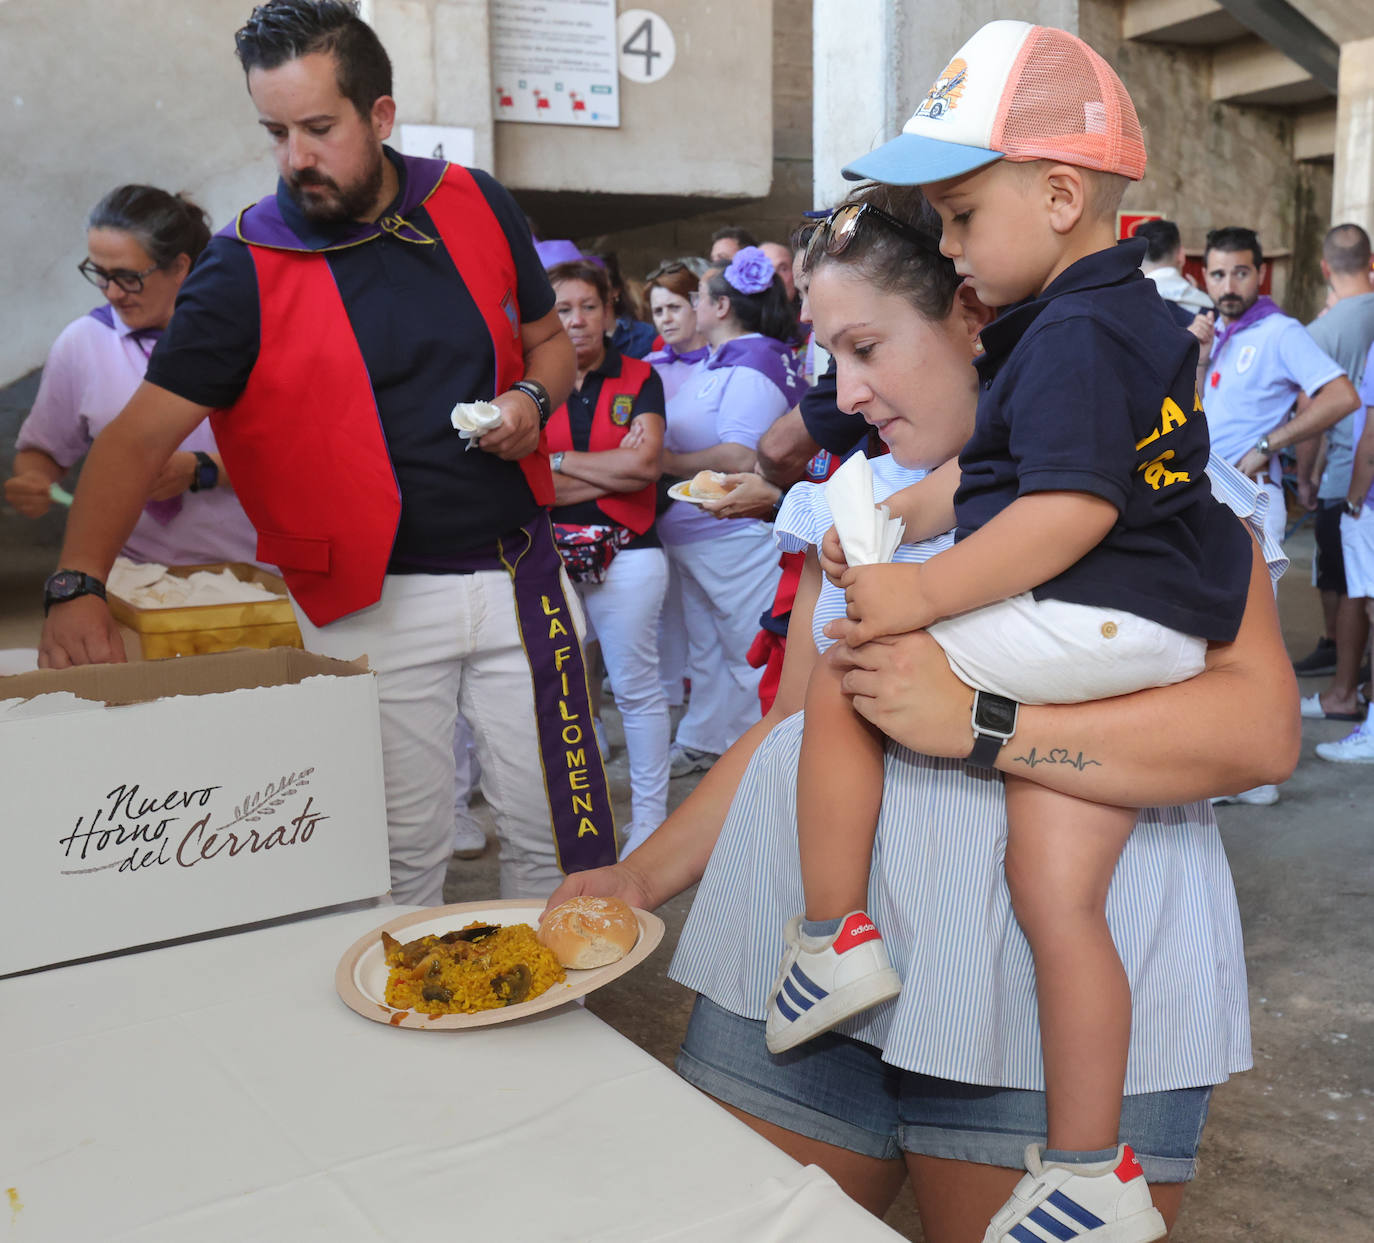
point(1106, 1202)
point(684, 761)
point(469, 842)
point(1355, 748)
point(824, 980)
point(1258, 796)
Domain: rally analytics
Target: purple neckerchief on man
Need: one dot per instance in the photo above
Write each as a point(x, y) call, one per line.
point(669, 355)
point(1264, 306)
point(263, 224)
point(770, 358)
point(160, 511)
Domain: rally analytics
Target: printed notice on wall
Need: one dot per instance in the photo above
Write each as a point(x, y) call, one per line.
point(554, 62)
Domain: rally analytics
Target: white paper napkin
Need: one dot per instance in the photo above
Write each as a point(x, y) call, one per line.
point(869, 534)
point(473, 419)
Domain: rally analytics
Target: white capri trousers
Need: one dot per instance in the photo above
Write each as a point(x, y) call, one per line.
point(727, 582)
point(441, 643)
point(623, 611)
point(1049, 651)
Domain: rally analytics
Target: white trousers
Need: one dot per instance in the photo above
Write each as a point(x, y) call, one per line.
point(440, 644)
point(672, 640)
point(727, 582)
point(624, 612)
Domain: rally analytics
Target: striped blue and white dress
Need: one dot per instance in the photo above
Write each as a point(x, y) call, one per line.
point(967, 1009)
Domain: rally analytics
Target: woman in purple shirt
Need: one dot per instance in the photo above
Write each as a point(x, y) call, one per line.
point(727, 568)
point(141, 243)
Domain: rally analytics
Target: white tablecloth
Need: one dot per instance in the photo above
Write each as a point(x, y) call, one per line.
point(220, 1090)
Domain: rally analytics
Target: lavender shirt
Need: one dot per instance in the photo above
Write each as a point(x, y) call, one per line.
point(674, 368)
point(92, 371)
point(712, 406)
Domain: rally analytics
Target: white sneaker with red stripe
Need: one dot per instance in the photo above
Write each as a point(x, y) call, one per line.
point(1106, 1202)
point(824, 980)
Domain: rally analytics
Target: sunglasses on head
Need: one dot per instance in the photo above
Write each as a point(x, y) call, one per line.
point(834, 234)
point(695, 266)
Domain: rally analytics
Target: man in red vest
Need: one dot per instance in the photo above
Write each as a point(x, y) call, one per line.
point(329, 332)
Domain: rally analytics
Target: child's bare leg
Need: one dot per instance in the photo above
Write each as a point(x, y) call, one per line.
point(1061, 853)
point(839, 792)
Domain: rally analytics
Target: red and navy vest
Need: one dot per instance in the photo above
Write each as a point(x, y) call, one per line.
point(614, 405)
point(304, 442)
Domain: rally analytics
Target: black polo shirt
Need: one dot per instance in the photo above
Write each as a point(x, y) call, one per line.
point(1087, 388)
point(426, 347)
point(581, 409)
point(835, 430)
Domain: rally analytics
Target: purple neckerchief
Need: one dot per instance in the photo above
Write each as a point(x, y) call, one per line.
point(669, 355)
point(161, 512)
point(1263, 308)
point(262, 224)
point(770, 358)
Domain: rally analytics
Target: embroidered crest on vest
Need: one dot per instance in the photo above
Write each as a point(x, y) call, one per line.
point(621, 408)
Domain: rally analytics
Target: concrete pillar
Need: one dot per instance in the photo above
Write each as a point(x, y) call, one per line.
point(1352, 195)
point(854, 87)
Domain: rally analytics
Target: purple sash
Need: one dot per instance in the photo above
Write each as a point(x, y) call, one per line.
point(770, 358)
point(574, 779)
point(1264, 306)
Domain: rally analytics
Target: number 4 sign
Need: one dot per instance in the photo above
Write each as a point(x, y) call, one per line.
point(647, 46)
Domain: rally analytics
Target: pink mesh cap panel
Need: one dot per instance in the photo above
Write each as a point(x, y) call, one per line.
point(1064, 102)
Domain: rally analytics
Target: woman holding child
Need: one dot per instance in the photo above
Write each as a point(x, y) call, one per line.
point(944, 1084)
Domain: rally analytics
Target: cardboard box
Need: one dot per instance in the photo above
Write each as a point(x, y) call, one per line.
point(194, 630)
point(151, 801)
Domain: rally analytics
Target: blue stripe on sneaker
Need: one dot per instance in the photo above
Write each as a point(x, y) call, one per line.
point(799, 999)
point(808, 983)
point(1022, 1235)
point(785, 1010)
point(1071, 1208)
point(1052, 1224)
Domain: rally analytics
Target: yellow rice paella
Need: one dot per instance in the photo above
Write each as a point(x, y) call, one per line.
point(480, 967)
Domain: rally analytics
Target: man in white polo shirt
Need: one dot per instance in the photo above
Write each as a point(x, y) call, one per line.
point(1261, 360)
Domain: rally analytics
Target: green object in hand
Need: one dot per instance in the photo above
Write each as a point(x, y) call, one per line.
point(60, 495)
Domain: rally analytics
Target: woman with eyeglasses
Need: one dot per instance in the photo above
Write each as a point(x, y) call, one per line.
point(141, 243)
point(606, 444)
point(943, 1086)
point(727, 568)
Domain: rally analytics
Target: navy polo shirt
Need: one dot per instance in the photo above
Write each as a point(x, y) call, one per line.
point(426, 347)
point(1091, 387)
point(835, 430)
point(581, 410)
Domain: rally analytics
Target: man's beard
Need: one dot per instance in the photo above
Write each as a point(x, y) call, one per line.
point(1233, 306)
point(356, 202)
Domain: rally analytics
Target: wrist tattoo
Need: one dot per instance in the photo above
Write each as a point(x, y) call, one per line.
point(1057, 755)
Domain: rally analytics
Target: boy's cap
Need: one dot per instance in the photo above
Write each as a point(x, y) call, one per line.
point(1018, 92)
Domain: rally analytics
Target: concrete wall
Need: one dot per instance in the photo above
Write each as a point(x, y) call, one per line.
point(97, 94)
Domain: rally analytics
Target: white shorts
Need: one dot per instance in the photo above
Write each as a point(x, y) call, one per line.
point(1047, 651)
point(1357, 546)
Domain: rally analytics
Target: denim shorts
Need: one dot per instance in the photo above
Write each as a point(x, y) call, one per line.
point(840, 1091)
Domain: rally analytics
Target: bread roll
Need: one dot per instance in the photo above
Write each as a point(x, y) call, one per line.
point(589, 932)
point(708, 485)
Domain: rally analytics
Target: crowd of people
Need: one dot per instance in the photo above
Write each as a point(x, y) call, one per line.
point(1024, 400)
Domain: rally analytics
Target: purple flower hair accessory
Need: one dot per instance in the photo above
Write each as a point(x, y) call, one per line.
point(750, 271)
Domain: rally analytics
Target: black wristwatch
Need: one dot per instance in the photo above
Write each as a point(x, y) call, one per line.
point(206, 475)
point(994, 722)
point(67, 585)
point(537, 393)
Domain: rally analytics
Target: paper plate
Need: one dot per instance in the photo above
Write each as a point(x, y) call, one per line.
point(361, 974)
point(679, 493)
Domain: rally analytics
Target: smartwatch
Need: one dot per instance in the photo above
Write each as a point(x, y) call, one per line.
point(556, 461)
point(206, 474)
point(994, 722)
point(67, 585)
point(538, 394)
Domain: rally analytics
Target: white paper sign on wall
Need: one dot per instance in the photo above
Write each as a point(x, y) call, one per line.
point(455, 143)
point(647, 46)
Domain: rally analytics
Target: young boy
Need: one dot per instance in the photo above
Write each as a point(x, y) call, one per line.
point(1092, 561)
